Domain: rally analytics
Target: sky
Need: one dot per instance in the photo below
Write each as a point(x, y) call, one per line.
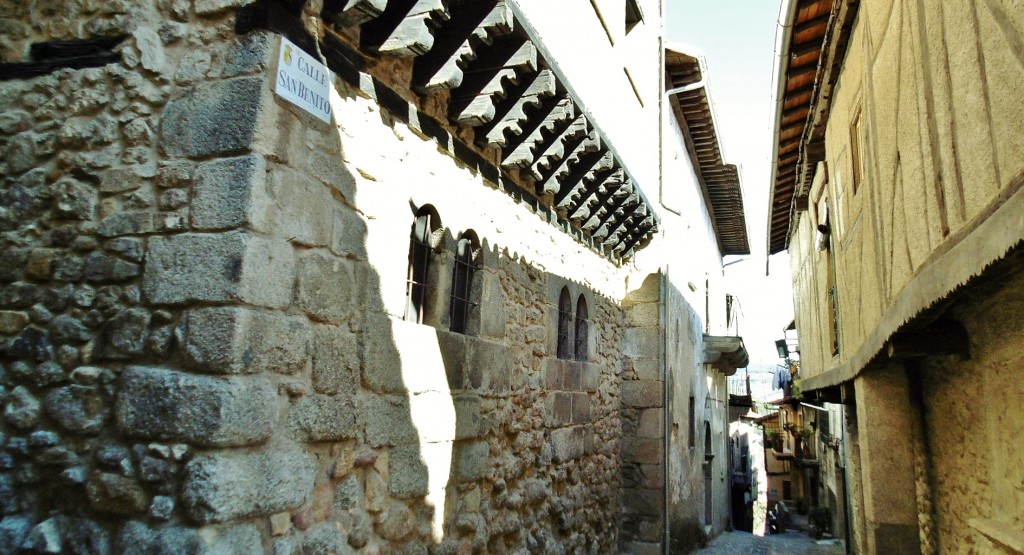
point(737, 39)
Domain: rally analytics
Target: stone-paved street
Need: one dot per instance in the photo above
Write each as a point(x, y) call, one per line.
point(787, 543)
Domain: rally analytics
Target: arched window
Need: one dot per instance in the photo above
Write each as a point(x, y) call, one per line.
point(564, 322)
point(467, 262)
point(419, 292)
point(582, 328)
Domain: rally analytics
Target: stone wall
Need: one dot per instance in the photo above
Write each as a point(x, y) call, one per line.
point(202, 348)
point(975, 471)
point(664, 342)
point(643, 421)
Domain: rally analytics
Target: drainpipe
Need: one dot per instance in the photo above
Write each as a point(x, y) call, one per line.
point(661, 128)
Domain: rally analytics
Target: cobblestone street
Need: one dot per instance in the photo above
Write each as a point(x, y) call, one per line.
point(787, 543)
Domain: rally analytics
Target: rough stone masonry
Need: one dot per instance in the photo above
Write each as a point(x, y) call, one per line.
point(195, 354)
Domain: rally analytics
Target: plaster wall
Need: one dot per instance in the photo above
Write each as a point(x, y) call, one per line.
point(940, 152)
point(689, 458)
point(688, 248)
point(977, 471)
point(617, 75)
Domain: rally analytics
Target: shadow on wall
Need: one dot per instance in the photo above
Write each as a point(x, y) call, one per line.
point(482, 438)
point(209, 364)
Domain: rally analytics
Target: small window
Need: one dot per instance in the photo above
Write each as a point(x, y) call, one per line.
point(467, 263)
point(633, 14)
point(832, 289)
point(426, 232)
point(565, 349)
point(582, 328)
point(692, 441)
point(856, 139)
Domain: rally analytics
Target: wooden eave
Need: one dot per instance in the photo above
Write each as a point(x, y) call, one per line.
point(809, 67)
point(492, 92)
point(720, 181)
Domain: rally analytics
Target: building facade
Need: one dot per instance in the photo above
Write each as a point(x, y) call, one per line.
point(897, 192)
point(360, 276)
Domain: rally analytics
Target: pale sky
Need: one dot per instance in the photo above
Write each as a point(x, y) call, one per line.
point(737, 38)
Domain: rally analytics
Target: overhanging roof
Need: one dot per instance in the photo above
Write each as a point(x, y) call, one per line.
point(813, 44)
point(720, 181)
point(475, 77)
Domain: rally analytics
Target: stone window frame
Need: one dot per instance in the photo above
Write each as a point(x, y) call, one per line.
point(465, 294)
point(565, 347)
point(563, 343)
point(425, 264)
point(582, 329)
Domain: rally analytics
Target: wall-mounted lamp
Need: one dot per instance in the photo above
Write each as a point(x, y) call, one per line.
point(783, 349)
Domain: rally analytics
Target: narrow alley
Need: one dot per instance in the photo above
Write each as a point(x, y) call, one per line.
point(786, 543)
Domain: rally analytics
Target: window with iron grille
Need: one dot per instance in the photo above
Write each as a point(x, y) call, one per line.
point(565, 349)
point(419, 289)
point(582, 328)
point(467, 255)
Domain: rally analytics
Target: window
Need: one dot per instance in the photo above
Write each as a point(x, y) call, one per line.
point(467, 263)
point(565, 349)
point(633, 14)
point(582, 329)
point(420, 289)
point(856, 138)
point(833, 305)
point(692, 442)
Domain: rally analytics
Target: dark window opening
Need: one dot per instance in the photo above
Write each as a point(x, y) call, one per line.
point(633, 14)
point(832, 290)
point(47, 57)
point(467, 263)
point(582, 329)
point(692, 441)
point(419, 290)
point(565, 349)
point(708, 452)
point(856, 136)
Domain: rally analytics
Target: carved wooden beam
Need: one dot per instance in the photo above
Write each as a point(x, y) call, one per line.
point(631, 215)
point(511, 113)
point(554, 114)
point(635, 236)
point(550, 182)
point(471, 25)
point(405, 28)
point(487, 77)
point(553, 148)
point(594, 211)
point(352, 12)
point(616, 210)
point(574, 185)
point(593, 181)
point(607, 184)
